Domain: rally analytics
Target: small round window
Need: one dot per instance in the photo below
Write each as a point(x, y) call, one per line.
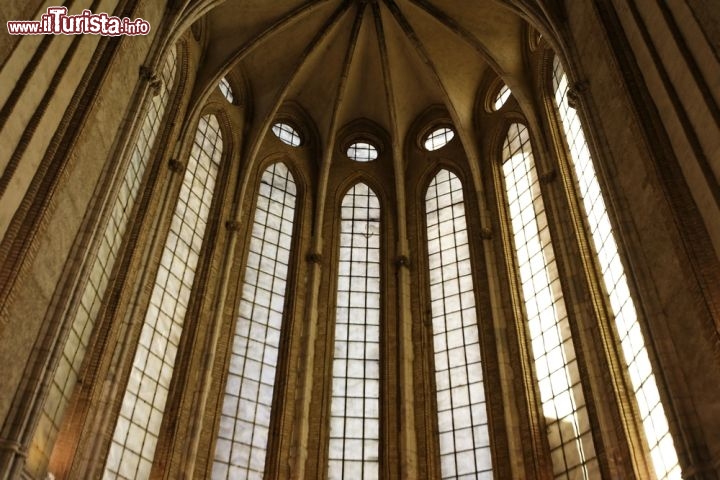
point(502, 97)
point(287, 134)
point(362, 152)
point(226, 90)
point(438, 138)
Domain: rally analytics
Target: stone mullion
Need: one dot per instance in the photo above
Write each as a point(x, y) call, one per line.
point(495, 337)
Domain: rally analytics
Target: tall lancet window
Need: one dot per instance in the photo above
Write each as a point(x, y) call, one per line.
point(138, 426)
point(355, 405)
point(563, 403)
point(462, 411)
point(245, 420)
point(652, 413)
point(66, 375)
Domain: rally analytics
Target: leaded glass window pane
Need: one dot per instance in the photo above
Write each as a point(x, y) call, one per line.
point(245, 419)
point(462, 410)
point(652, 413)
point(138, 425)
point(563, 403)
point(226, 90)
point(355, 406)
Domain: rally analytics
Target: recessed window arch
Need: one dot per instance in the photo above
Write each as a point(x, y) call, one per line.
point(635, 354)
point(243, 434)
point(354, 444)
point(95, 287)
point(138, 425)
point(551, 344)
point(462, 417)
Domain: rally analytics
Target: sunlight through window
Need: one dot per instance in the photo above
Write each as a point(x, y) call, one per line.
point(355, 406)
point(563, 403)
point(652, 413)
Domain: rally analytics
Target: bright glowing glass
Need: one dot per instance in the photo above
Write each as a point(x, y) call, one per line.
point(138, 425)
point(362, 152)
point(355, 406)
point(652, 413)
point(438, 138)
point(245, 419)
point(287, 134)
point(502, 97)
point(462, 411)
point(563, 404)
point(226, 90)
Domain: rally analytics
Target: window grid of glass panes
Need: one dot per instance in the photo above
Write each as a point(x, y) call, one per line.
point(67, 372)
point(138, 426)
point(563, 403)
point(462, 410)
point(355, 405)
point(502, 97)
point(652, 413)
point(226, 90)
point(287, 134)
point(245, 420)
point(438, 138)
point(362, 152)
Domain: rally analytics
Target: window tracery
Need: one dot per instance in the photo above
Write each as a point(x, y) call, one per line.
point(438, 138)
point(563, 404)
point(647, 396)
point(462, 411)
point(287, 134)
point(362, 152)
point(138, 426)
point(355, 405)
point(241, 445)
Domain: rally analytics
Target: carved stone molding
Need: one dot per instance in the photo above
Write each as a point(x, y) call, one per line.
point(149, 75)
point(548, 177)
point(176, 166)
point(232, 225)
point(576, 92)
point(313, 257)
point(12, 446)
point(486, 233)
point(402, 261)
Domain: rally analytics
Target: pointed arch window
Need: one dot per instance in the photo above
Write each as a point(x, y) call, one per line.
point(355, 404)
point(242, 439)
point(561, 395)
point(138, 426)
point(462, 410)
point(68, 370)
point(652, 413)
